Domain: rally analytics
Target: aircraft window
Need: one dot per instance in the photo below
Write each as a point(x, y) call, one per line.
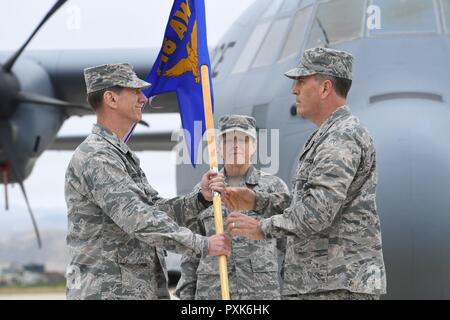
point(252, 46)
point(334, 22)
point(289, 5)
point(271, 46)
point(405, 16)
point(273, 8)
point(446, 8)
point(297, 33)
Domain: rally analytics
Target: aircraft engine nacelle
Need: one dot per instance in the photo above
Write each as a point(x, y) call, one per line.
point(33, 126)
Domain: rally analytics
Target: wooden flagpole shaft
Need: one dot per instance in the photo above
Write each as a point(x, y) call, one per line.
point(217, 202)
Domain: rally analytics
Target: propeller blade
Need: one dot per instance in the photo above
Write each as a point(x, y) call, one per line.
point(10, 153)
point(5, 168)
point(44, 100)
point(36, 230)
point(10, 63)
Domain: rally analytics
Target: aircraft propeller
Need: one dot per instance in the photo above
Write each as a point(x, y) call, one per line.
point(10, 154)
point(10, 98)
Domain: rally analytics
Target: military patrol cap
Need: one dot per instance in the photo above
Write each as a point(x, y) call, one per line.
point(236, 122)
point(110, 75)
point(323, 61)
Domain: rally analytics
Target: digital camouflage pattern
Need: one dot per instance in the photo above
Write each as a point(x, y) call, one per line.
point(254, 267)
point(333, 295)
point(110, 75)
point(331, 217)
point(324, 61)
point(241, 123)
point(118, 226)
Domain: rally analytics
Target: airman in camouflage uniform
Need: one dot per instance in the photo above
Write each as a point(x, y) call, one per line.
point(334, 248)
point(118, 225)
point(254, 268)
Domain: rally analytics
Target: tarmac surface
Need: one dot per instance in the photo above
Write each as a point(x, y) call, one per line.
point(33, 296)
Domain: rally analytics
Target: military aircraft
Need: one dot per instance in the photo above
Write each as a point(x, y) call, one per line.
point(400, 92)
point(33, 109)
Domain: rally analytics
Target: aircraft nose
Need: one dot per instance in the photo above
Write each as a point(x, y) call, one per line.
point(413, 156)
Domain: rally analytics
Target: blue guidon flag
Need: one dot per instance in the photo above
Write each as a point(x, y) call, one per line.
point(177, 67)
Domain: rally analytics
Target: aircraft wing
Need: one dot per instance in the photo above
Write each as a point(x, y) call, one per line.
point(155, 141)
point(164, 103)
point(65, 68)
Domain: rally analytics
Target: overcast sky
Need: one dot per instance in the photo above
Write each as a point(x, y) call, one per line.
point(95, 24)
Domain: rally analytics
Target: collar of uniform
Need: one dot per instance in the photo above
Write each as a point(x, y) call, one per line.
point(111, 137)
point(251, 177)
point(340, 113)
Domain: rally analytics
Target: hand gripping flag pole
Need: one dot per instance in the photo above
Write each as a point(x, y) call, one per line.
point(183, 66)
point(212, 151)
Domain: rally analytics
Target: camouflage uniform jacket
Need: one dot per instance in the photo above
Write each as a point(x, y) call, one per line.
point(253, 267)
point(118, 226)
point(331, 217)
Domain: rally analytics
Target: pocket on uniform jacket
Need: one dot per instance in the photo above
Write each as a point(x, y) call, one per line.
point(138, 271)
point(139, 279)
point(206, 214)
point(263, 265)
point(208, 266)
point(313, 257)
point(311, 245)
point(207, 219)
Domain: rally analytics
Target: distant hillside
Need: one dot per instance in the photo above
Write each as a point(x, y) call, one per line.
point(18, 242)
point(17, 219)
point(22, 248)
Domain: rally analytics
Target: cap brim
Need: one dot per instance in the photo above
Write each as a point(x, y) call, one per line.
point(299, 72)
point(246, 132)
point(139, 84)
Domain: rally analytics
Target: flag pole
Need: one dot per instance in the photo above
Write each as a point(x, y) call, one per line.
point(217, 202)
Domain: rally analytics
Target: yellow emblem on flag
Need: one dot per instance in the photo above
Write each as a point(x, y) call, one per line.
point(190, 63)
